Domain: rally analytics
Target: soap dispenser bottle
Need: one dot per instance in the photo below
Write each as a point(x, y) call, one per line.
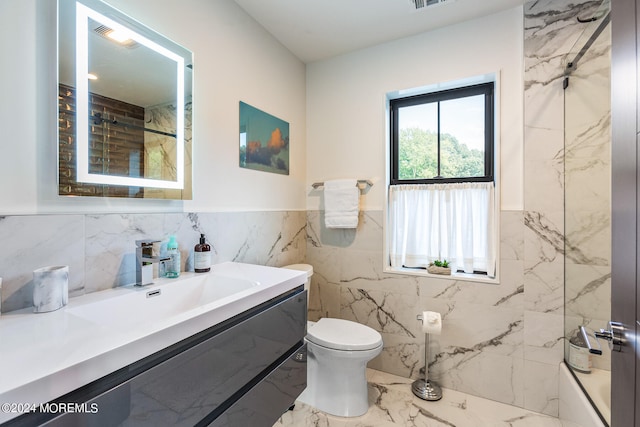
point(162, 265)
point(173, 265)
point(202, 256)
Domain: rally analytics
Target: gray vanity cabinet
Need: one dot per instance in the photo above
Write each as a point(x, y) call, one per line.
point(245, 372)
point(268, 398)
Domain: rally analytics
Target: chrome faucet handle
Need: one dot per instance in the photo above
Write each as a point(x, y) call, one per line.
point(144, 251)
point(146, 242)
point(145, 259)
point(585, 336)
point(615, 335)
point(144, 248)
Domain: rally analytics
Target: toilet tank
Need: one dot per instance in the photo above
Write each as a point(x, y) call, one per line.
point(308, 269)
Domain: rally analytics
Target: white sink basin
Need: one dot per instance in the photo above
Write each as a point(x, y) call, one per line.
point(161, 302)
point(101, 332)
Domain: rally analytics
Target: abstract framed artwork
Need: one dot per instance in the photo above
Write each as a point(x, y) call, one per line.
point(264, 141)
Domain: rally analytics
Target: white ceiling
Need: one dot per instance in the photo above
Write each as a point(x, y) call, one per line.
point(319, 29)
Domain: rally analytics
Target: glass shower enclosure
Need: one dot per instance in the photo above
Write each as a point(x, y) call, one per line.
point(587, 210)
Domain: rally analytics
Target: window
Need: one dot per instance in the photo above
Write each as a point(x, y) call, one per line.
point(443, 136)
point(442, 193)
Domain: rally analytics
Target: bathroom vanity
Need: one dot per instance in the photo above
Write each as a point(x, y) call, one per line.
point(224, 348)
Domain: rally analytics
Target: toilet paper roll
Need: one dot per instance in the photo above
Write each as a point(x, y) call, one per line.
point(431, 322)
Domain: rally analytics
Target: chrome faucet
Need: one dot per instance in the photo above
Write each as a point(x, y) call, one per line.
point(145, 260)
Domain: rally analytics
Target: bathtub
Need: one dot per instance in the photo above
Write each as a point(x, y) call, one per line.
point(574, 405)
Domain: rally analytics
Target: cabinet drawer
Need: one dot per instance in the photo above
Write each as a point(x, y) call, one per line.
point(204, 379)
point(270, 398)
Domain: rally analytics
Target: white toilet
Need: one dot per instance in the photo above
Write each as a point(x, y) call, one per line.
point(337, 355)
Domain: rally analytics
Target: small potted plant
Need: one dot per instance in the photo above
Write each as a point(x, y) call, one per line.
point(439, 267)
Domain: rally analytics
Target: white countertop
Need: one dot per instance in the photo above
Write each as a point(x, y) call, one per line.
point(46, 355)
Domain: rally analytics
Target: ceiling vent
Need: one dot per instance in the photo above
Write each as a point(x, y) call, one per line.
point(423, 4)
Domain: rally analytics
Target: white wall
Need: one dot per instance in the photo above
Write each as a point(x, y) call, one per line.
point(234, 59)
point(17, 106)
point(346, 117)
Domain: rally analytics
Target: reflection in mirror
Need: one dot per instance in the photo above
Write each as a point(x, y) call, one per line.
point(124, 106)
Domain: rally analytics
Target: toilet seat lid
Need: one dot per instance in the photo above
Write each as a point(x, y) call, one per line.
point(340, 334)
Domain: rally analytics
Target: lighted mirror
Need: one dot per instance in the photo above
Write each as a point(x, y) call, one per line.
point(124, 106)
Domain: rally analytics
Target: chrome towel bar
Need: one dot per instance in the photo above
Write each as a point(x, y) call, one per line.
point(315, 185)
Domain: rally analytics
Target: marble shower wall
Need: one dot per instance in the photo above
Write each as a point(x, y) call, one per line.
point(100, 249)
point(551, 30)
point(163, 118)
point(587, 158)
point(481, 347)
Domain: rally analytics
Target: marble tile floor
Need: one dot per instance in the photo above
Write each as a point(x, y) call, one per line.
point(393, 404)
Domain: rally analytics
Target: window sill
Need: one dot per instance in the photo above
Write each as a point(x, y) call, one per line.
point(465, 277)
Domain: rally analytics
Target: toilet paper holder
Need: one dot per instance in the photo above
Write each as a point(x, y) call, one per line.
point(425, 388)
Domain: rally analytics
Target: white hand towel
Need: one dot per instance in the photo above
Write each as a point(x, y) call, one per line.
point(341, 199)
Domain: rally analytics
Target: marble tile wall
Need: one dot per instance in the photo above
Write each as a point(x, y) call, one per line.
point(100, 249)
point(481, 347)
point(587, 161)
point(551, 30)
point(163, 118)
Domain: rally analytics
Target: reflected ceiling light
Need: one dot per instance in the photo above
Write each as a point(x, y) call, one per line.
point(119, 36)
point(91, 76)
